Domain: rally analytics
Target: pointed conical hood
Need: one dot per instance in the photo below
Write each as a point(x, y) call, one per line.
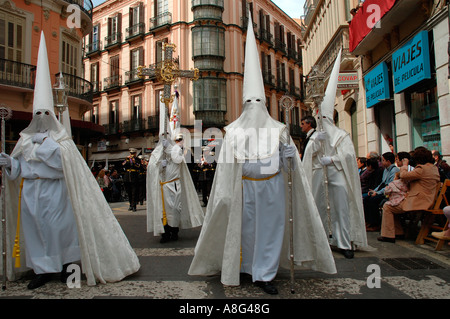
point(261, 135)
point(43, 94)
point(327, 106)
point(253, 80)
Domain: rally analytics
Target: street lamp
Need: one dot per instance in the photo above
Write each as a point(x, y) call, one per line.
point(315, 87)
point(60, 93)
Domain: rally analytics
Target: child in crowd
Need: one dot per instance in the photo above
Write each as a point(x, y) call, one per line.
point(396, 191)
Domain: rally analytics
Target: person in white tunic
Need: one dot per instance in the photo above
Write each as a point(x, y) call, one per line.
point(63, 214)
point(172, 201)
point(332, 147)
point(245, 228)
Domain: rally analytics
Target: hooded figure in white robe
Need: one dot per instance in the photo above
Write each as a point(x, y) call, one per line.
point(245, 228)
point(345, 223)
point(172, 201)
point(64, 217)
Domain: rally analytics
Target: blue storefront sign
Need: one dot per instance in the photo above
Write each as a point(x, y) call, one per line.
point(377, 85)
point(411, 63)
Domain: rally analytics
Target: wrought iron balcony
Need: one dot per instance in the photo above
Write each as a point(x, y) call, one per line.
point(280, 45)
point(266, 36)
point(111, 129)
point(134, 125)
point(164, 19)
point(85, 5)
point(78, 87)
point(135, 31)
point(211, 118)
point(17, 74)
point(282, 85)
point(92, 48)
point(112, 82)
point(268, 78)
point(113, 40)
point(153, 122)
point(132, 76)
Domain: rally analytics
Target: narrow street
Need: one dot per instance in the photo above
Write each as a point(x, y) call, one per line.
point(406, 271)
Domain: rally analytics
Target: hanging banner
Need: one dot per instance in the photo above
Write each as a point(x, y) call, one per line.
point(376, 83)
point(411, 63)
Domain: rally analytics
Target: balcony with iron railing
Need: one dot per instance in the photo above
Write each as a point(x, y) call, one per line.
point(282, 85)
point(134, 125)
point(112, 82)
point(280, 45)
point(135, 31)
point(22, 76)
point(268, 78)
point(266, 36)
point(17, 74)
point(309, 8)
point(78, 87)
point(112, 128)
point(133, 77)
point(86, 6)
point(161, 20)
point(93, 48)
point(113, 40)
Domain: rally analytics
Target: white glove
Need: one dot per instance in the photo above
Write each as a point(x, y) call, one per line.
point(163, 163)
point(289, 151)
point(321, 136)
point(165, 142)
point(39, 137)
point(325, 161)
point(5, 160)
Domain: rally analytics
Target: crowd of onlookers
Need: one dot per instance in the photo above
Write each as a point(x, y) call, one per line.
point(393, 184)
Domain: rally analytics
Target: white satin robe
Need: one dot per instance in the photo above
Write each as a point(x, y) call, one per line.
point(263, 218)
point(47, 217)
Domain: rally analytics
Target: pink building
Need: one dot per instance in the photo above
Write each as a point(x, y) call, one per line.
point(208, 35)
point(21, 23)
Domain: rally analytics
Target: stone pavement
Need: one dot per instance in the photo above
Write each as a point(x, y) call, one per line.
point(406, 271)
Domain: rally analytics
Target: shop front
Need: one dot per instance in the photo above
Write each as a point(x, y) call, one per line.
point(405, 84)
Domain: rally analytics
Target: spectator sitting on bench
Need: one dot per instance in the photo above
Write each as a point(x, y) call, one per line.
point(423, 181)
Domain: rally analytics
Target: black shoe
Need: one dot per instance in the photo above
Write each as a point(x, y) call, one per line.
point(267, 286)
point(130, 208)
point(39, 281)
point(348, 253)
point(386, 239)
point(165, 238)
point(174, 233)
point(65, 274)
point(134, 208)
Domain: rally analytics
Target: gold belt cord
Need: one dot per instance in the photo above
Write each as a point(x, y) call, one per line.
point(164, 219)
point(16, 249)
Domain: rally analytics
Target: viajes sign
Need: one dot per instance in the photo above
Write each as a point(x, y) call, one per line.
point(411, 63)
point(376, 83)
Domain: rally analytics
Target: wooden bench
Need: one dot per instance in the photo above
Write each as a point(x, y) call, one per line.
point(429, 223)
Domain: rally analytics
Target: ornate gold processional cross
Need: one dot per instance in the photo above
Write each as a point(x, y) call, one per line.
point(167, 72)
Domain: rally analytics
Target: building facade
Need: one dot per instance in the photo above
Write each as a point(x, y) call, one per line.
point(326, 32)
point(64, 23)
point(208, 35)
point(403, 47)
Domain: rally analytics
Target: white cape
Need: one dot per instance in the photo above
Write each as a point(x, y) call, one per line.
point(219, 245)
point(106, 254)
point(345, 151)
point(191, 211)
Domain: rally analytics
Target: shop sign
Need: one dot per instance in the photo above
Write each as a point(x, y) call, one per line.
point(411, 63)
point(348, 80)
point(376, 83)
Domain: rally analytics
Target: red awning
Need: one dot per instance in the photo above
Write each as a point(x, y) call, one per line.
point(362, 23)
